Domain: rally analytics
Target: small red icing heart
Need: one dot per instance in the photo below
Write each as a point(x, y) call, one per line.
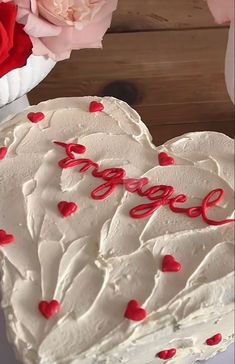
point(36, 117)
point(170, 264)
point(135, 312)
point(6, 238)
point(96, 106)
point(3, 153)
point(214, 340)
point(165, 159)
point(49, 309)
point(67, 208)
point(167, 354)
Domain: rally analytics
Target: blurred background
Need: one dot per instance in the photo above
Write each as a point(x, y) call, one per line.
point(165, 58)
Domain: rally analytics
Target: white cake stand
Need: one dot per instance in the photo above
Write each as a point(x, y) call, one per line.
point(19, 82)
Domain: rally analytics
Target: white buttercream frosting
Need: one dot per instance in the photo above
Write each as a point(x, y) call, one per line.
point(98, 259)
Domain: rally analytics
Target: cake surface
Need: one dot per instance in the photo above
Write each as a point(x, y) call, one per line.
point(94, 216)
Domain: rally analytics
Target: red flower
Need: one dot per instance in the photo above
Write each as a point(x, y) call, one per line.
point(15, 44)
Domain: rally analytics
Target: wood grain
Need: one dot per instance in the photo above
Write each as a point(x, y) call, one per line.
point(172, 77)
point(188, 113)
point(135, 15)
point(162, 133)
point(141, 54)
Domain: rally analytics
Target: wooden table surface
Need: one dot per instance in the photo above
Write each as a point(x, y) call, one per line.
point(165, 58)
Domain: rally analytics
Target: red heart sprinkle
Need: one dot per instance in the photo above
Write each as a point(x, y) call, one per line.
point(167, 354)
point(3, 153)
point(36, 117)
point(214, 340)
point(96, 106)
point(170, 264)
point(49, 309)
point(6, 238)
point(67, 208)
point(165, 159)
point(135, 312)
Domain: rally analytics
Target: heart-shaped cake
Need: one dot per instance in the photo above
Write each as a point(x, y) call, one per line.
point(114, 250)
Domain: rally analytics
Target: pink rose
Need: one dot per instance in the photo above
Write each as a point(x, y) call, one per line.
point(66, 12)
point(58, 27)
point(223, 12)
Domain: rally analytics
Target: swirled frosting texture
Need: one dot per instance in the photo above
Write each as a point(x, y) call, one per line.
point(100, 258)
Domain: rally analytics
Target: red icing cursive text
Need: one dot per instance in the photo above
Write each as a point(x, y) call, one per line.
point(158, 195)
